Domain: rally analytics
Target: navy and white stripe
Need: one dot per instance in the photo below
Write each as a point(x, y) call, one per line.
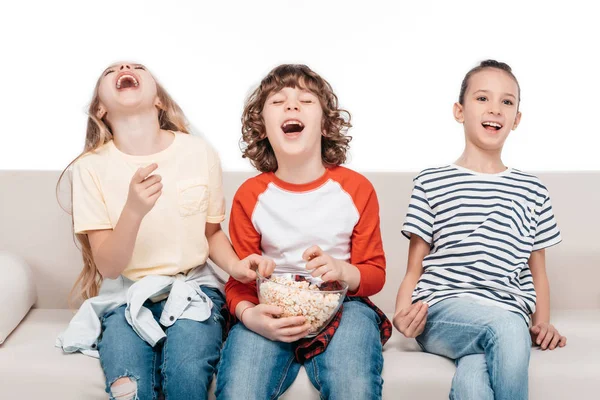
point(482, 229)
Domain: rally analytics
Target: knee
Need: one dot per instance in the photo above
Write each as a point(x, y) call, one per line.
point(511, 329)
point(124, 389)
point(356, 387)
point(510, 334)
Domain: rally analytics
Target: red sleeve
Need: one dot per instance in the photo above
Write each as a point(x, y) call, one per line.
point(245, 240)
point(366, 252)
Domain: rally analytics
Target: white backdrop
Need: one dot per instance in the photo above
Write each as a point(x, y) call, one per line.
point(396, 66)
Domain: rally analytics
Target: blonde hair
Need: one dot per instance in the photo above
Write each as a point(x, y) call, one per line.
point(98, 133)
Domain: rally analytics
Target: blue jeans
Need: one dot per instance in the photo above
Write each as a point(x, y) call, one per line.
point(183, 364)
point(254, 367)
point(490, 345)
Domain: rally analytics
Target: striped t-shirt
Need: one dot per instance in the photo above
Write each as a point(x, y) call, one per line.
point(482, 229)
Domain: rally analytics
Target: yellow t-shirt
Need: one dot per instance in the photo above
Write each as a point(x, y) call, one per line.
point(171, 238)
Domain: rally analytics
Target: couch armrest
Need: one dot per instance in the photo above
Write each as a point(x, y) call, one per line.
point(17, 292)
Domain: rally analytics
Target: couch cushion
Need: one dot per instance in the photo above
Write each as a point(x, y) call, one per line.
point(17, 292)
point(29, 356)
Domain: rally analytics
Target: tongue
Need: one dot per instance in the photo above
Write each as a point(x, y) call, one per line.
point(126, 83)
point(292, 128)
point(490, 128)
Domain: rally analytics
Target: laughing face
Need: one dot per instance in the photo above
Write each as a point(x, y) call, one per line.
point(126, 86)
point(293, 121)
point(490, 109)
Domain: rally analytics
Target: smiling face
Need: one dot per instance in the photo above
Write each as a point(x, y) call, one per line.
point(293, 119)
point(490, 108)
point(126, 86)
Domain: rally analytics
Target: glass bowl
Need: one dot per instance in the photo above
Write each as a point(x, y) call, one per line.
point(298, 295)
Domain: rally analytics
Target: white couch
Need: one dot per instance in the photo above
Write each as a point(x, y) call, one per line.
point(33, 226)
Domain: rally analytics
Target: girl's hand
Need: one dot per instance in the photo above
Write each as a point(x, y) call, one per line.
point(261, 319)
point(144, 190)
point(546, 336)
point(323, 265)
point(244, 270)
point(410, 321)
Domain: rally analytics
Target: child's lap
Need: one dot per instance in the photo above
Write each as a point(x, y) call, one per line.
point(463, 324)
point(357, 337)
point(119, 338)
point(467, 312)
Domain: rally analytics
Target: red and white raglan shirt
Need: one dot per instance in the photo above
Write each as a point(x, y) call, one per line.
point(338, 212)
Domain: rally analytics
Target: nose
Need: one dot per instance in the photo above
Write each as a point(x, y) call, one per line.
point(124, 66)
point(494, 110)
point(292, 105)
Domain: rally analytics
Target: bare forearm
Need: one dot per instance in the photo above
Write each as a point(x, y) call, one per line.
point(351, 276)
point(242, 305)
point(417, 251)
point(407, 287)
point(542, 308)
point(221, 252)
point(114, 253)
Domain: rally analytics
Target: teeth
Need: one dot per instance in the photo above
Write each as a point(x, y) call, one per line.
point(494, 124)
point(135, 82)
point(292, 122)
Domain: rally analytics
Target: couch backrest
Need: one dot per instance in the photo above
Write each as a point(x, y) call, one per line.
point(33, 226)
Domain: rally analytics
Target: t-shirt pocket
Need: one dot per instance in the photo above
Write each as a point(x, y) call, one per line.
point(521, 219)
point(192, 196)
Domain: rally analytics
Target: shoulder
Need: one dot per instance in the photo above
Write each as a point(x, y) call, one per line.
point(434, 173)
point(350, 179)
point(253, 187)
point(92, 159)
point(189, 142)
point(527, 180)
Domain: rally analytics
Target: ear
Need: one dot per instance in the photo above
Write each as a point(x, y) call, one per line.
point(158, 104)
point(459, 115)
point(517, 121)
point(101, 111)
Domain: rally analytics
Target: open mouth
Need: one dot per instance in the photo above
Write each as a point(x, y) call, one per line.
point(127, 81)
point(491, 126)
point(292, 126)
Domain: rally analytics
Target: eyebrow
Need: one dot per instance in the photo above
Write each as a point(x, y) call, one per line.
point(487, 91)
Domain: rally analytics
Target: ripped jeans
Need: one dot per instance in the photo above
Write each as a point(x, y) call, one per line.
point(182, 365)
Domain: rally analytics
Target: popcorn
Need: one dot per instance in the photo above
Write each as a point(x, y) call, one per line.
point(300, 298)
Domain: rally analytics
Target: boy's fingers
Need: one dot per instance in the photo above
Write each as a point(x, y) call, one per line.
point(422, 313)
point(547, 340)
point(563, 341)
point(316, 262)
point(311, 252)
point(269, 309)
point(250, 274)
point(323, 269)
point(266, 267)
point(541, 335)
point(535, 330)
point(296, 330)
point(554, 342)
point(288, 322)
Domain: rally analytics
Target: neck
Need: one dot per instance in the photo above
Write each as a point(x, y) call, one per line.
point(481, 160)
point(139, 134)
point(299, 170)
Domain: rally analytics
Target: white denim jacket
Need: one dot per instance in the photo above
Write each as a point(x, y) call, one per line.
point(185, 300)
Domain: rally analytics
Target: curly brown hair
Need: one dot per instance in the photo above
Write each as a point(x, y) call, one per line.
point(334, 141)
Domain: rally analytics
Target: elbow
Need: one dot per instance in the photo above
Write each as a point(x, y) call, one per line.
point(108, 273)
